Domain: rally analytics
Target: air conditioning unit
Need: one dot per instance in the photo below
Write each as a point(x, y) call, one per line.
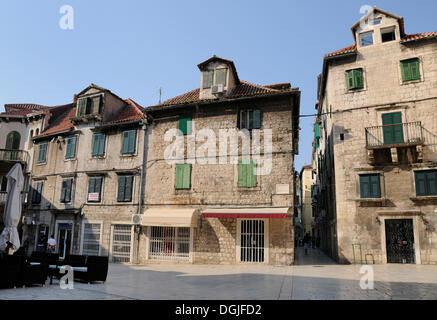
point(136, 218)
point(217, 89)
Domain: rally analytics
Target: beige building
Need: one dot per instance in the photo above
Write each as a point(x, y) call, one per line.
point(208, 206)
point(375, 147)
point(86, 176)
point(307, 213)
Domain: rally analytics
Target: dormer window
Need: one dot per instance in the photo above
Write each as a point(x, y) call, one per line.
point(388, 35)
point(366, 39)
point(376, 21)
point(89, 105)
point(214, 77)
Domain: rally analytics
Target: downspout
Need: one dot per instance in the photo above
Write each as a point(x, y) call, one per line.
point(142, 186)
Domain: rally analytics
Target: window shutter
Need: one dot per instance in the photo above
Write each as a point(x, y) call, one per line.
point(128, 188)
point(364, 187)
point(63, 190)
point(220, 76)
point(185, 125)
point(415, 71)
point(375, 186)
point(42, 150)
point(432, 182)
point(241, 174)
point(125, 142)
point(207, 79)
point(102, 142)
point(91, 185)
point(251, 174)
point(359, 83)
point(187, 176)
point(81, 106)
point(95, 148)
point(179, 176)
point(121, 188)
point(98, 186)
point(132, 141)
point(420, 183)
point(69, 187)
point(96, 102)
point(350, 79)
point(71, 148)
point(256, 119)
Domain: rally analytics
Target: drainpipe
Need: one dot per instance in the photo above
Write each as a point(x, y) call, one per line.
point(142, 186)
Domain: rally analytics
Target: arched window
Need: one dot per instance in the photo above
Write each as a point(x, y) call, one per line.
point(13, 141)
point(31, 133)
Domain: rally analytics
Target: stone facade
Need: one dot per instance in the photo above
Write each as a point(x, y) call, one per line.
point(350, 120)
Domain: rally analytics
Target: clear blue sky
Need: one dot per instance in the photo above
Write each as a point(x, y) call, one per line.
point(135, 47)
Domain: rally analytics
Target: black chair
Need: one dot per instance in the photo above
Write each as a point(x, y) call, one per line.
point(97, 269)
point(74, 261)
point(10, 270)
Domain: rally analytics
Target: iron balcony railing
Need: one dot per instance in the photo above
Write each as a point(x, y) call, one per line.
point(13, 155)
point(394, 135)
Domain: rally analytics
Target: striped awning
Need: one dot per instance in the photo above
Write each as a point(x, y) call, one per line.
point(171, 217)
point(248, 213)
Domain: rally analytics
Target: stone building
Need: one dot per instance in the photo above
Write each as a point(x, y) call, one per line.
point(306, 185)
point(87, 175)
point(375, 148)
point(209, 201)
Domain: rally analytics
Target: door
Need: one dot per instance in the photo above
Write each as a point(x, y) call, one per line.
point(392, 130)
point(252, 240)
point(64, 239)
point(121, 243)
point(400, 241)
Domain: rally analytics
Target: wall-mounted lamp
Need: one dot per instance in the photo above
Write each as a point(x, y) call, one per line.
point(377, 220)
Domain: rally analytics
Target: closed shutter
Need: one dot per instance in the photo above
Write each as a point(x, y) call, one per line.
point(95, 148)
point(128, 188)
point(256, 119)
point(183, 176)
point(246, 174)
point(358, 75)
point(242, 169)
point(132, 141)
point(98, 144)
point(420, 177)
point(220, 76)
point(185, 125)
point(350, 79)
point(125, 142)
point(370, 186)
point(432, 182)
point(71, 148)
point(251, 174)
point(121, 187)
point(207, 79)
point(410, 70)
point(375, 186)
point(415, 71)
point(392, 133)
point(42, 151)
point(96, 103)
point(365, 186)
point(95, 186)
point(426, 183)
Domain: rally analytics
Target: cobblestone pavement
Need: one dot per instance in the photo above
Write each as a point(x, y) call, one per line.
point(313, 277)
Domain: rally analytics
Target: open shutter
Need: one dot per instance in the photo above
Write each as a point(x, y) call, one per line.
point(350, 79)
point(241, 174)
point(81, 106)
point(71, 148)
point(102, 142)
point(91, 185)
point(256, 119)
point(63, 190)
point(359, 83)
point(69, 187)
point(121, 188)
point(98, 187)
point(185, 125)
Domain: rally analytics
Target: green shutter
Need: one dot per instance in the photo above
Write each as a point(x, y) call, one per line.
point(420, 183)
point(375, 186)
point(364, 186)
point(410, 70)
point(432, 182)
point(251, 174)
point(125, 142)
point(426, 183)
point(98, 186)
point(370, 186)
point(98, 148)
point(350, 79)
point(102, 142)
point(415, 71)
point(246, 174)
point(392, 133)
point(132, 141)
point(185, 125)
point(359, 82)
point(256, 119)
point(71, 148)
point(42, 152)
point(81, 106)
point(241, 174)
point(13, 141)
point(95, 147)
point(121, 188)
point(183, 176)
point(91, 185)
point(128, 188)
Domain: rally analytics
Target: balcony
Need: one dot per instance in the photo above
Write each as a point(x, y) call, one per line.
point(394, 135)
point(13, 155)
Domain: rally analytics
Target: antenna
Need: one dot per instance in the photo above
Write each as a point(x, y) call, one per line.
point(160, 94)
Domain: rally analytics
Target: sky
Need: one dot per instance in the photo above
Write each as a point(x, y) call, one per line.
point(135, 47)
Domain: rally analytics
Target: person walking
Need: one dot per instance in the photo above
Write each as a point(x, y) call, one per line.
point(51, 244)
point(306, 242)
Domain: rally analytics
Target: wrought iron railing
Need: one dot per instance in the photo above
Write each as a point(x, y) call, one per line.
point(402, 134)
point(13, 155)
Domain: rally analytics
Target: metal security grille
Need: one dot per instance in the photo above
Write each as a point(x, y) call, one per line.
point(169, 243)
point(91, 239)
point(252, 241)
point(400, 241)
point(121, 243)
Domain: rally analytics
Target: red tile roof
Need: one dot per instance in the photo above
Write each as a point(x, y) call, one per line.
point(61, 123)
point(244, 89)
point(350, 49)
point(132, 111)
point(22, 108)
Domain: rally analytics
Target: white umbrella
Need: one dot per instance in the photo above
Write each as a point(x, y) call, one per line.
point(12, 213)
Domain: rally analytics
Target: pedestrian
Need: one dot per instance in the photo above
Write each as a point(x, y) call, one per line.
point(306, 242)
point(51, 244)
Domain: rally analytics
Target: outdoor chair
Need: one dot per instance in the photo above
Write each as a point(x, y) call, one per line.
point(10, 267)
point(96, 269)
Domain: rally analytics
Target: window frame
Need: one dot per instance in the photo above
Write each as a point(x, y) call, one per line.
point(39, 160)
point(125, 147)
point(97, 154)
point(364, 34)
point(371, 195)
point(68, 190)
point(183, 182)
point(100, 191)
point(408, 78)
point(125, 176)
point(426, 183)
point(67, 155)
point(357, 77)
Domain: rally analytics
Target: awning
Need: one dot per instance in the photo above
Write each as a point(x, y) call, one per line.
point(170, 217)
point(248, 213)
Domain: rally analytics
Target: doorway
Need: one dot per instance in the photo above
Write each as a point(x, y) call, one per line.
point(64, 236)
point(399, 235)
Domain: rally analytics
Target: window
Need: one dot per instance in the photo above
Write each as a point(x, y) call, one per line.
point(70, 152)
point(249, 119)
point(370, 187)
point(388, 35)
point(13, 141)
point(169, 243)
point(66, 190)
point(185, 125)
point(42, 152)
point(121, 243)
point(366, 39)
point(183, 176)
point(37, 191)
point(207, 79)
point(410, 70)
point(355, 79)
point(94, 189)
point(89, 105)
point(220, 76)
point(376, 21)
point(392, 129)
point(3, 184)
point(246, 173)
point(125, 184)
point(98, 148)
point(426, 183)
point(91, 239)
point(128, 143)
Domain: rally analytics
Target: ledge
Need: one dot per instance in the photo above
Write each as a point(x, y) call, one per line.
point(423, 198)
point(371, 199)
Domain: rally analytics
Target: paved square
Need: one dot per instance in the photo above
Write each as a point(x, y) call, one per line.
point(313, 277)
